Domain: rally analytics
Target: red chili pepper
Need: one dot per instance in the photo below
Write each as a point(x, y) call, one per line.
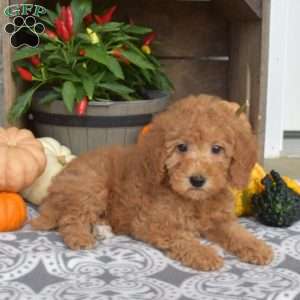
point(81, 106)
point(69, 19)
point(82, 52)
point(117, 53)
point(105, 18)
point(25, 74)
point(63, 13)
point(35, 60)
point(64, 24)
point(125, 60)
point(148, 39)
point(61, 30)
point(51, 34)
point(88, 19)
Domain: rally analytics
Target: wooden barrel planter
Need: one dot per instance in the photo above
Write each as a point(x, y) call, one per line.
point(105, 123)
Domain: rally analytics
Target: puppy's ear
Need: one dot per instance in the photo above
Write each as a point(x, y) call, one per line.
point(244, 156)
point(154, 152)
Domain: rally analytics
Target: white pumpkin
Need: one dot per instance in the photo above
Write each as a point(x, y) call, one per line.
point(58, 156)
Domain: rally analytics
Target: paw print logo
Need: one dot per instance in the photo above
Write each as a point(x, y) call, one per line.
point(24, 31)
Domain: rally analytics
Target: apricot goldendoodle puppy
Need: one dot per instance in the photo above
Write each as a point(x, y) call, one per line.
point(169, 190)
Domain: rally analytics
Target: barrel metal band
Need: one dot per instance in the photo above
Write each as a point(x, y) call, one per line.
point(91, 121)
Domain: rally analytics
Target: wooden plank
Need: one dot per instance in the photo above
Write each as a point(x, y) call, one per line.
point(239, 10)
point(244, 60)
point(244, 69)
point(262, 103)
point(2, 24)
point(96, 137)
point(183, 28)
point(78, 139)
point(61, 134)
point(117, 135)
point(42, 130)
point(256, 6)
point(8, 91)
point(248, 70)
point(131, 134)
point(194, 77)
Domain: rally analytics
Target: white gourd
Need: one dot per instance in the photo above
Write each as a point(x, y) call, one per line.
point(58, 156)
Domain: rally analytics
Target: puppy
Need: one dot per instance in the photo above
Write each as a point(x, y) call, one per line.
point(169, 190)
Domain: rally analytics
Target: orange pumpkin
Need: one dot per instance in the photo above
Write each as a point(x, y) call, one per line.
point(13, 212)
point(22, 159)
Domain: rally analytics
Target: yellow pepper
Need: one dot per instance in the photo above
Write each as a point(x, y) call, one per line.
point(146, 49)
point(94, 38)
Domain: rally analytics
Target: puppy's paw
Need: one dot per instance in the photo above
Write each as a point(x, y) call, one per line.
point(80, 241)
point(203, 258)
point(257, 252)
point(208, 260)
point(102, 232)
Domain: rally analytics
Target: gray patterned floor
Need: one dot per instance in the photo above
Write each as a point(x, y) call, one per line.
point(38, 266)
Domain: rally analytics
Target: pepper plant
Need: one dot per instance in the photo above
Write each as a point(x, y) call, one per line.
point(84, 56)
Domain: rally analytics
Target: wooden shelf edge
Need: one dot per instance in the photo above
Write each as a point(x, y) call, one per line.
point(239, 10)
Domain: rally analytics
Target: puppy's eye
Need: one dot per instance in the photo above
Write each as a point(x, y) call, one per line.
point(216, 149)
point(182, 147)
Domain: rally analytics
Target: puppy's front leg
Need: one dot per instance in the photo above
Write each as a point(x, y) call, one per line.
point(237, 240)
point(76, 230)
point(178, 244)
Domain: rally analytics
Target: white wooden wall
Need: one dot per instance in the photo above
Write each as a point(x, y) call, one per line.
point(283, 97)
point(291, 91)
point(276, 77)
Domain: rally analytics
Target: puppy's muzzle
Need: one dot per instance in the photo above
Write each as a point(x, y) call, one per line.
point(197, 181)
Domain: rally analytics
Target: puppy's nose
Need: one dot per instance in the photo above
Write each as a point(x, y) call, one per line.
point(197, 181)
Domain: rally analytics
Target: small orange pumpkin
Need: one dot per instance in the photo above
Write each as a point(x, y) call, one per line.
point(22, 159)
point(13, 212)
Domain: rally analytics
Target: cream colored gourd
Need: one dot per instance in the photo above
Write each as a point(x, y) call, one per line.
point(22, 159)
point(58, 157)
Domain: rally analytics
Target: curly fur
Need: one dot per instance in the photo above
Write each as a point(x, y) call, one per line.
point(144, 190)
